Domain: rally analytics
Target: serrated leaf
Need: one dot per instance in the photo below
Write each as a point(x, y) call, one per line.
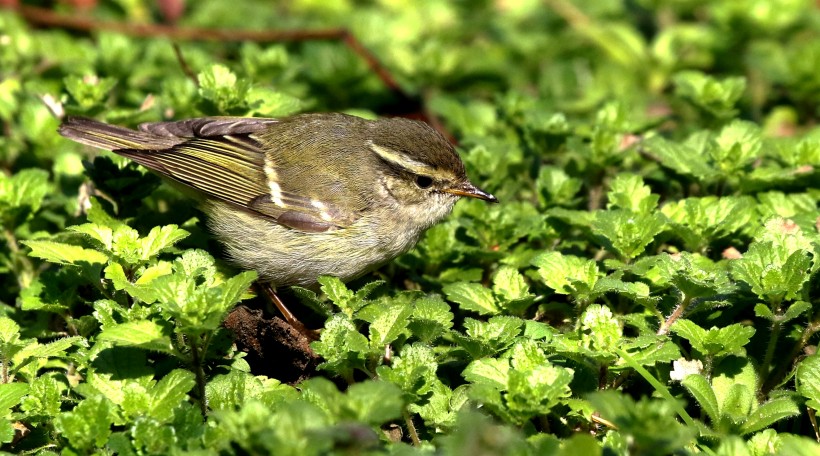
point(770, 413)
point(491, 371)
point(629, 233)
point(23, 190)
point(60, 253)
point(795, 310)
point(144, 334)
point(715, 96)
point(167, 394)
point(342, 346)
point(414, 371)
point(104, 235)
point(684, 158)
point(715, 341)
point(536, 391)
point(430, 319)
point(389, 324)
point(566, 274)
point(159, 239)
point(472, 296)
point(116, 274)
point(699, 387)
point(48, 350)
point(339, 294)
point(808, 380)
point(374, 402)
point(88, 425)
point(628, 191)
point(10, 395)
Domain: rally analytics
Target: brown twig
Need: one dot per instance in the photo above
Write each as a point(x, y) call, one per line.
point(184, 64)
point(46, 17)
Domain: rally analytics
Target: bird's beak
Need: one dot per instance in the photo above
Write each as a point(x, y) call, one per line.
point(468, 189)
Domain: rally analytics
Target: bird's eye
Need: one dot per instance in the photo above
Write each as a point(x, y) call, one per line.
point(424, 181)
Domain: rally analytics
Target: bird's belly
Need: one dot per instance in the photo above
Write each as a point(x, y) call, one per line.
point(285, 256)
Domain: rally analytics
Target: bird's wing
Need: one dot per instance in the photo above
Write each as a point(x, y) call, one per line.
point(223, 158)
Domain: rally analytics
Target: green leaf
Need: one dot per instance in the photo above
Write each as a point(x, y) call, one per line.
point(342, 346)
point(509, 285)
point(772, 272)
point(567, 274)
point(687, 158)
point(58, 252)
point(491, 371)
point(104, 235)
point(627, 232)
point(44, 398)
point(715, 342)
point(414, 371)
point(651, 350)
point(339, 294)
point(431, 318)
point(144, 292)
point(144, 334)
point(699, 387)
point(169, 392)
point(600, 331)
point(266, 102)
point(629, 192)
point(807, 380)
point(222, 88)
point(88, 425)
point(89, 90)
point(650, 425)
point(374, 402)
point(160, 239)
point(472, 296)
point(11, 394)
point(51, 349)
point(735, 384)
point(699, 221)
point(389, 324)
point(22, 194)
point(736, 146)
point(556, 187)
point(717, 97)
point(537, 390)
point(770, 413)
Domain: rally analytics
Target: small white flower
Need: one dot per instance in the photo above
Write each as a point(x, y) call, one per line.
point(683, 368)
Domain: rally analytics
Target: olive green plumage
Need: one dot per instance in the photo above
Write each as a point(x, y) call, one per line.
point(309, 195)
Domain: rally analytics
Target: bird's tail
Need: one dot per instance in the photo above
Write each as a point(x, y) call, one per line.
point(111, 137)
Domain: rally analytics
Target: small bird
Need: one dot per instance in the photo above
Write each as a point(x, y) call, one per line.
point(303, 196)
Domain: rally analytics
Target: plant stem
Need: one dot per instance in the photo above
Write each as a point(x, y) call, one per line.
point(411, 429)
point(659, 387)
point(196, 360)
point(787, 361)
point(673, 317)
point(776, 326)
point(813, 420)
point(19, 260)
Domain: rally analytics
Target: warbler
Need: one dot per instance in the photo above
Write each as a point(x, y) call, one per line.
point(303, 196)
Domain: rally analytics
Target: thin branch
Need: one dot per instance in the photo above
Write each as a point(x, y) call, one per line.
point(184, 64)
point(46, 17)
point(411, 429)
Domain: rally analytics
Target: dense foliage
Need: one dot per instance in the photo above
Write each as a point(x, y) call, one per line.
point(648, 284)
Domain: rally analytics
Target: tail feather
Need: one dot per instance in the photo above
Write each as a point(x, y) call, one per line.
point(111, 137)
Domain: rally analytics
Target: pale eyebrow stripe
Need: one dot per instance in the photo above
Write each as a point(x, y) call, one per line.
point(400, 159)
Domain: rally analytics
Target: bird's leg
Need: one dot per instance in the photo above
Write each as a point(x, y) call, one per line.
point(268, 289)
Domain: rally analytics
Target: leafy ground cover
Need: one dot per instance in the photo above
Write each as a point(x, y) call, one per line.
point(648, 284)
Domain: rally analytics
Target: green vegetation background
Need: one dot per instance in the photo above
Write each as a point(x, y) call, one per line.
point(648, 284)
